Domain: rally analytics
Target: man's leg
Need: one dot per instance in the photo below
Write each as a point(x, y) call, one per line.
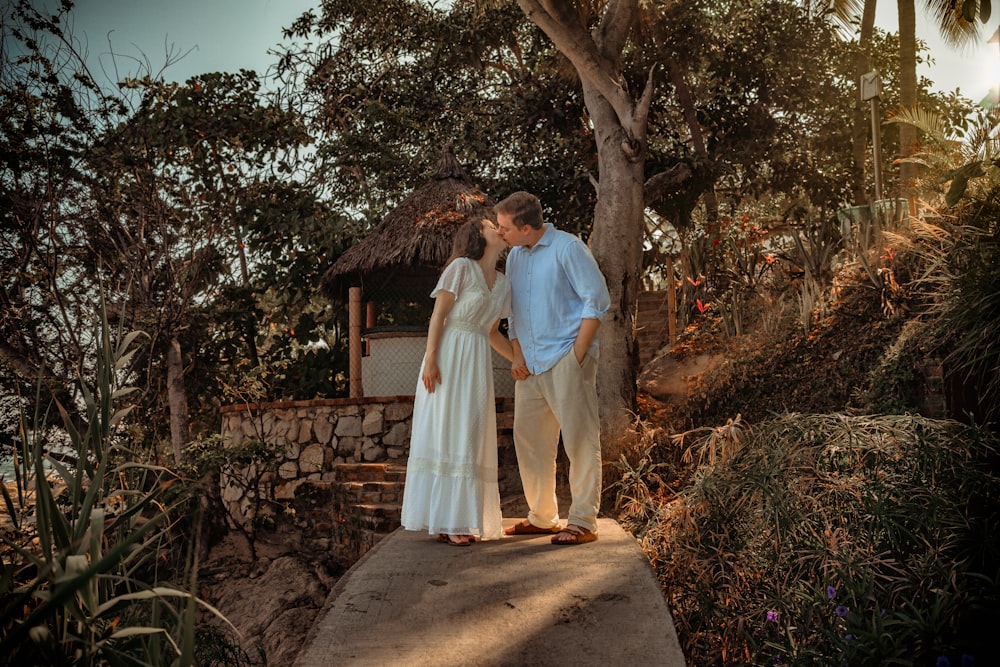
point(536, 441)
point(572, 395)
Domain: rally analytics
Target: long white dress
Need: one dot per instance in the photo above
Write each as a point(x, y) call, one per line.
point(451, 475)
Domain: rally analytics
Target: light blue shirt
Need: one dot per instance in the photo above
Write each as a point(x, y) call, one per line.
point(554, 285)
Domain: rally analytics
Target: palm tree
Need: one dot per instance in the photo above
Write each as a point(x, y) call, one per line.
point(907, 15)
point(957, 21)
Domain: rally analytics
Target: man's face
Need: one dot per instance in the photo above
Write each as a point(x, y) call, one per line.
point(511, 233)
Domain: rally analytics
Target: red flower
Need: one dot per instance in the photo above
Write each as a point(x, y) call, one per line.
point(702, 307)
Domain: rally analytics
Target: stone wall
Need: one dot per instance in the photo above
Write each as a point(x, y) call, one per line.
point(314, 439)
point(310, 438)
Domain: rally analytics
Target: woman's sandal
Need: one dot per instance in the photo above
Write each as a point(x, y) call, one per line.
point(578, 535)
point(454, 540)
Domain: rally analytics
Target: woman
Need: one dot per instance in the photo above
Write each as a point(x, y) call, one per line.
point(451, 477)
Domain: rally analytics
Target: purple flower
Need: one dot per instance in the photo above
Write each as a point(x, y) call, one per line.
point(968, 660)
point(776, 660)
point(943, 661)
point(841, 610)
point(772, 616)
point(831, 592)
point(848, 636)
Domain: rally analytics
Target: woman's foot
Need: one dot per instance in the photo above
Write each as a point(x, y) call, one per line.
point(455, 540)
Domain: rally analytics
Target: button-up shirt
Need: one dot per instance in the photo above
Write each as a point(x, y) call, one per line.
point(554, 284)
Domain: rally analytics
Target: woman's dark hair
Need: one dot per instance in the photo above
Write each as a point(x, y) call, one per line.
point(468, 241)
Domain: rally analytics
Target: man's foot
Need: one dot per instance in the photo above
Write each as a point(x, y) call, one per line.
point(455, 540)
point(574, 534)
point(525, 527)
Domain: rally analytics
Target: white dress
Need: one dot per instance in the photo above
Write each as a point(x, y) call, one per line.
point(451, 475)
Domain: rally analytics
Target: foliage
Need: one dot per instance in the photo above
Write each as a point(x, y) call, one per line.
point(895, 384)
point(84, 583)
point(386, 86)
point(959, 285)
point(246, 466)
point(190, 201)
point(830, 538)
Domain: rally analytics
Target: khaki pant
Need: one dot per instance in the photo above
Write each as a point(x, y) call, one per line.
point(562, 398)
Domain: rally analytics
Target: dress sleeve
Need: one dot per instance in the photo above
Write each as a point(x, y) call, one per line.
point(451, 278)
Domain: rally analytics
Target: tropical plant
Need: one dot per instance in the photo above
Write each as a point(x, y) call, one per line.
point(88, 582)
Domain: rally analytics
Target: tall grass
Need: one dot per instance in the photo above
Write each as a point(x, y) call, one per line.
point(962, 287)
point(83, 579)
point(830, 540)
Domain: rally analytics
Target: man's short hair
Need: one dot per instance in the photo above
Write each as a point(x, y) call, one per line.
point(523, 209)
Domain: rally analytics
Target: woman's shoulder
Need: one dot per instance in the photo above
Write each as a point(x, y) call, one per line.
point(458, 264)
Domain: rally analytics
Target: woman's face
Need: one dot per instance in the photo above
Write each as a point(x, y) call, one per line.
point(492, 234)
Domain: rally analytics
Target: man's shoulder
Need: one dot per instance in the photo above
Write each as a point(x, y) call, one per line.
point(560, 237)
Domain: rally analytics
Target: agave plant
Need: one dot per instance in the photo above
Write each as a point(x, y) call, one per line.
point(83, 583)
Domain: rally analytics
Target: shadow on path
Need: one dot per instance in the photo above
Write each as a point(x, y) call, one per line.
point(516, 601)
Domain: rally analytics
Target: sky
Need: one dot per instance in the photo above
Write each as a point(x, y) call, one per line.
point(227, 35)
point(974, 70)
point(208, 35)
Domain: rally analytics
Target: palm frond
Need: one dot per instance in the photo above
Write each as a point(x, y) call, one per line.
point(953, 25)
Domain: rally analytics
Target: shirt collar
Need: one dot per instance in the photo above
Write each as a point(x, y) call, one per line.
point(546, 238)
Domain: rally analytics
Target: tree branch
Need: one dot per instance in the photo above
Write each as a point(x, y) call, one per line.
point(572, 40)
point(615, 27)
point(665, 181)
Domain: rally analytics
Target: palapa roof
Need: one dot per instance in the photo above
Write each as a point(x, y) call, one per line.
point(405, 252)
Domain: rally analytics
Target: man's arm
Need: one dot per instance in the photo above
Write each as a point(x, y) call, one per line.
point(588, 329)
point(518, 368)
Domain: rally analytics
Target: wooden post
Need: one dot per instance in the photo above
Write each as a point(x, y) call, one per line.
point(671, 302)
point(354, 342)
point(369, 322)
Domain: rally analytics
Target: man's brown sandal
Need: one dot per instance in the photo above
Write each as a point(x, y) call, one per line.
point(527, 528)
point(577, 535)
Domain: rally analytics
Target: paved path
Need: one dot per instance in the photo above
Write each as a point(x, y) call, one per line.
point(512, 602)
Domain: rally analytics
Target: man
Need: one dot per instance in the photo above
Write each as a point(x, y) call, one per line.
point(558, 299)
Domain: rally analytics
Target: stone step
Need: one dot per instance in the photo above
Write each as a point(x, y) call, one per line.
point(352, 493)
point(376, 517)
point(370, 472)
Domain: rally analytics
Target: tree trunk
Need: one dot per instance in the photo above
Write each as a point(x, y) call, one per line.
point(907, 92)
point(619, 123)
point(177, 399)
point(616, 241)
point(862, 121)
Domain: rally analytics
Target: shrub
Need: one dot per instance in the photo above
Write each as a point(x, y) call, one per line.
point(829, 540)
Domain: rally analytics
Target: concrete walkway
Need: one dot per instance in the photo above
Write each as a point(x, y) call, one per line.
point(517, 601)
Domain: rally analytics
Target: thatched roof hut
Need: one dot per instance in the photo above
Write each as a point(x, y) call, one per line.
point(403, 255)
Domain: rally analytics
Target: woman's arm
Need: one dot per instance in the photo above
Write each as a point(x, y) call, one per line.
point(500, 343)
point(443, 303)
